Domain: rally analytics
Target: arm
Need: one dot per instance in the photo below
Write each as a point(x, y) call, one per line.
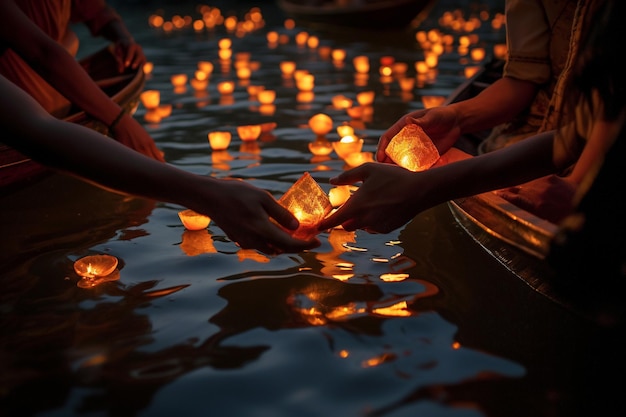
point(390, 196)
point(498, 103)
point(50, 60)
point(241, 210)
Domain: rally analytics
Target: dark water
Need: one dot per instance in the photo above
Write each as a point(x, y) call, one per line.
point(418, 322)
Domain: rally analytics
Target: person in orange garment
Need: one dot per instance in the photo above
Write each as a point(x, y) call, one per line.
point(248, 215)
point(37, 51)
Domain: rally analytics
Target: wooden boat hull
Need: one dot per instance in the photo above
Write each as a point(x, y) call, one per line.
point(366, 14)
point(124, 89)
point(518, 239)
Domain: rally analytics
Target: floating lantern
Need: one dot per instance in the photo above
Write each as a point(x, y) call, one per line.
point(399, 68)
point(179, 80)
point(305, 82)
point(321, 124)
point(500, 50)
point(305, 97)
point(341, 102)
point(193, 220)
point(206, 67)
point(150, 99)
point(287, 67)
point(365, 98)
point(153, 116)
point(267, 109)
point(356, 112)
point(345, 130)
point(309, 203)
point(361, 64)
point(198, 84)
point(477, 54)
point(469, 71)
point(95, 266)
point(320, 146)
point(412, 149)
point(347, 145)
point(148, 67)
point(421, 67)
point(226, 87)
point(164, 110)
point(219, 140)
point(338, 54)
point(267, 96)
point(267, 127)
point(387, 61)
point(406, 84)
point(249, 132)
point(301, 38)
point(225, 54)
point(244, 73)
point(313, 42)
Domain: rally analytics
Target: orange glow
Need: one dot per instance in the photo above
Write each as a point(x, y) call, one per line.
point(287, 67)
point(150, 99)
point(267, 96)
point(95, 266)
point(432, 101)
point(365, 98)
point(345, 130)
point(226, 87)
point(347, 145)
point(321, 124)
point(361, 64)
point(308, 202)
point(219, 140)
point(339, 195)
point(178, 80)
point(355, 159)
point(412, 149)
point(197, 242)
point(148, 67)
point(193, 220)
point(341, 102)
point(320, 147)
point(249, 132)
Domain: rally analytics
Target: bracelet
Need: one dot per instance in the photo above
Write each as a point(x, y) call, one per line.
point(117, 120)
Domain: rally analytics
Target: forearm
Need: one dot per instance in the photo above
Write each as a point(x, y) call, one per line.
point(498, 103)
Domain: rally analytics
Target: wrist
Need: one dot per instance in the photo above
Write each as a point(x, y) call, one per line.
point(113, 125)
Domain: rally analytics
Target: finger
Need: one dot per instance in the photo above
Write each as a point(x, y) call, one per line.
point(282, 216)
point(351, 176)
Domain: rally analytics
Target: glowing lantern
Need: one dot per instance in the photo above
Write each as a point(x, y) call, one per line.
point(412, 149)
point(206, 67)
point(341, 102)
point(477, 54)
point(198, 84)
point(321, 124)
point(219, 140)
point(267, 96)
point(347, 145)
point(432, 101)
point(226, 87)
point(345, 130)
point(287, 67)
point(338, 54)
point(249, 132)
point(339, 195)
point(361, 64)
point(193, 220)
point(95, 266)
point(164, 110)
point(179, 80)
point(150, 99)
point(406, 84)
point(267, 127)
point(309, 203)
point(355, 159)
point(500, 50)
point(320, 147)
point(305, 82)
point(471, 70)
point(148, 67)
point(365, 98)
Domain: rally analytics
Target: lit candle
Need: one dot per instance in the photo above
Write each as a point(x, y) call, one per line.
point(320, 146)
point(345, 130)
point(347, 145)
point(95, 266)
point(219, 140)
point(412, 149)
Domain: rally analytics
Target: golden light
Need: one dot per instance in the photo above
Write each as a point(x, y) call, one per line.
point(431, 59)
point(355, 159)
point(164, 110)
point(406, 84)
point(399, 68)
point(301, 38)
point(469, 71)
point(226, 87)
point(272, 37)
point(95, 266)
point(421, 67)
point(321, 124)
point(224, 54)
point(254, 90)
point(289, 24)
point(361, 64)
point(206, 67)
point(150, 99)
point(412, 149)
point(220, 159)
point(477, 54)
point(341, 102)
point(306, 82)
point(197, 242)
point(432, 101)
point(219, 140)
point(320, 146)
point(500, 50)
point(267, 127)
point(267, 109)
point(365, 98)
point(324, 51)
point(305, 97)
point(244, 73)
point(193, 220)
point(387, 61)
point(198, 84)
point(267, 96)
point(385, 71)
point(225, 43)
point(153, 116)
point(339, 195)
point(338, 54)
point(148, 67)
point(287, 67)
point(345, 130)
point(347, 145)
point(179, 80)
point(309, 203)
point(313, 42)
point(249, 132)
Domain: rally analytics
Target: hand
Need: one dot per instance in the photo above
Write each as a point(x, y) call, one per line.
point(439, 123)
point(385, 201)
point(245, 214)
point(128, 54)
point(549, 197)
point(130, 133)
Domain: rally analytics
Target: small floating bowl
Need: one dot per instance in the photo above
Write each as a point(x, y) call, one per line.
point(95, 266)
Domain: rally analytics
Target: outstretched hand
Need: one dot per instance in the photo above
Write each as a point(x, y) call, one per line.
point(130, 133)
point(128, 54)
point(384, 202)
point(245, 212)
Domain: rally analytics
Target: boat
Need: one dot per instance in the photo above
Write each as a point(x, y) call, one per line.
point(518, 239)
point(123, 88)
point(365, 14)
